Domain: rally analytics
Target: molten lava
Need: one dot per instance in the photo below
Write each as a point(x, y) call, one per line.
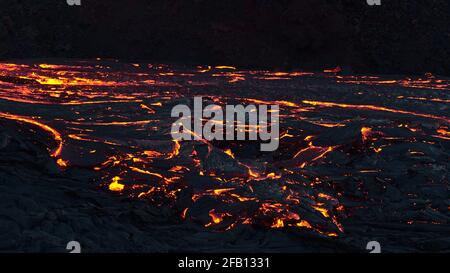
point(114, 119)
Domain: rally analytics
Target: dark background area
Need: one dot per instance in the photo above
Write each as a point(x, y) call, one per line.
point(398, 37)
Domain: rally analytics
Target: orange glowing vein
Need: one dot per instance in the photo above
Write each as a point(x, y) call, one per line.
point(56, 135)
point(374, 108)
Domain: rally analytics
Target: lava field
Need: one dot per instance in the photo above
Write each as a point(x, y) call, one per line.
point(86, 153)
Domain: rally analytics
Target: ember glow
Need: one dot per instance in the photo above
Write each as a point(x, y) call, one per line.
point(113, 119)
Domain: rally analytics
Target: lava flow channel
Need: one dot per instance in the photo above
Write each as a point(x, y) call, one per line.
point(56, 135)
point(375, 108)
